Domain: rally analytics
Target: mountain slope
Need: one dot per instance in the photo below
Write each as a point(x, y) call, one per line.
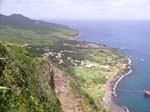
point(25, 82)
point(19, 29)
point(19, 21)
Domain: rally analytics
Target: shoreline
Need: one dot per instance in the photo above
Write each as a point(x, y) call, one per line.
point(111, 85)
point(120, 77)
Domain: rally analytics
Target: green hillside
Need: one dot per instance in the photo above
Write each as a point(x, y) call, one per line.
point(24, 82)
point(22, 30)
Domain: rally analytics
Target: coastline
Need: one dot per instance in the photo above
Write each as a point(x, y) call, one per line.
point(111, 84)
point(110, 91)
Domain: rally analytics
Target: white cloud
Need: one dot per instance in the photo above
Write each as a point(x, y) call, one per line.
point(79, 9)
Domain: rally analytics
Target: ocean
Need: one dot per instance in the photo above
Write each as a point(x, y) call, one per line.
point(133, 39)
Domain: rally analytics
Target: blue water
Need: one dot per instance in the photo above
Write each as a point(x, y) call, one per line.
point(134, 36)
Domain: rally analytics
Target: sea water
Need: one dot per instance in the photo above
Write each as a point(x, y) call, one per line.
point(133, 39)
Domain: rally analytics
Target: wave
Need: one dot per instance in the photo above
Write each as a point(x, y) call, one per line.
point(114, 93)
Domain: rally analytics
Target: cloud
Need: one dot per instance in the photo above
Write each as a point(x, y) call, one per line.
point(79, 9)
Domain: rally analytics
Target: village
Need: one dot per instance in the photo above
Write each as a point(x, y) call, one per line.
point(59, 58)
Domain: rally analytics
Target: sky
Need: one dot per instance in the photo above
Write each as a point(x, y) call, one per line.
point(78, 9)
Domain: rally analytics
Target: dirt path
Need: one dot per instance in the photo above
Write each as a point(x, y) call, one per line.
point(69, 102)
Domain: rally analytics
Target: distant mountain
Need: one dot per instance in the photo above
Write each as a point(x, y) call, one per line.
point(20, 21)
point(19, 29)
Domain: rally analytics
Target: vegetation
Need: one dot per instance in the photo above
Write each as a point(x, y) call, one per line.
point(22, 30)
point(24, 83)
point(88, 79)
point(25, 87)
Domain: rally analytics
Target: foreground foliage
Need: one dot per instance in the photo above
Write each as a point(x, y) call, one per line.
point(27, 81)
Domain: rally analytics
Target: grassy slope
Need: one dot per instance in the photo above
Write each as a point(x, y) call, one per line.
point(19, 29)
point(26, 77)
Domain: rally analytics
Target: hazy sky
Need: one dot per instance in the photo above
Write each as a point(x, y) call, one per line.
point(78, 9)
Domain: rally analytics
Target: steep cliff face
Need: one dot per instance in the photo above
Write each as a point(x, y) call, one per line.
point(24, 82)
